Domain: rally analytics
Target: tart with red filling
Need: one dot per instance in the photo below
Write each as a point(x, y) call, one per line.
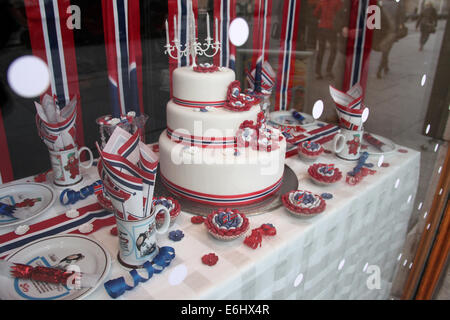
point(310, 150)
point(226, 224)
point(324, 174)
point(303, 203)
point(169, 203)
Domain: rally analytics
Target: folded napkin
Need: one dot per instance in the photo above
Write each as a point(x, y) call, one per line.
point(56, 126)
point(267, 77)
point(349, 107)
point(128, 168)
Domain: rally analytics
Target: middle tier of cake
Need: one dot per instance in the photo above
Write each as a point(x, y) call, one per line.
point(207, 122)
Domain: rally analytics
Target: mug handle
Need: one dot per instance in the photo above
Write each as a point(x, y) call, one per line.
point(166, 223)
point(338, 143)
point(91, 161)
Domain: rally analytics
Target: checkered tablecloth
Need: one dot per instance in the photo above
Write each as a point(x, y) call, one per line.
point(332, 256)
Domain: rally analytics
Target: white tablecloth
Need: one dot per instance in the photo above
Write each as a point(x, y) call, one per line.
point(332, 256)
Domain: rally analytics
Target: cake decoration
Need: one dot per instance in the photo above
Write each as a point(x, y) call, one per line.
point(114, 231)
point(255, 238)
point(197, 219)
point(310, 150)
point(360, 170)
point(171, 204)
point(303, 203)
point(327, 196)
point(206, 68)
point(324, 174)
point(210, 259)
point(226, 224)
point(176, 235)
point(258, 136)
point(238, 101)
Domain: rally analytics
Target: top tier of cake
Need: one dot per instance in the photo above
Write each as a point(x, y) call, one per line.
point(191, 87)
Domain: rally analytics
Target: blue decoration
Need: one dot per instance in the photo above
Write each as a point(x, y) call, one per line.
point(176, 235)
point(327, 196)
point(75, 196)
point(228, 219)
point(116, 287)
point(203, 110)
point(163, 202)
point(6, 209)
point(361, 163)
point(298, 116)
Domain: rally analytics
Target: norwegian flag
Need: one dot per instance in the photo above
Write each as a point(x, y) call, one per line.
point(121, 24)
point(225, 12)
point(286, 63)
point(52, 41)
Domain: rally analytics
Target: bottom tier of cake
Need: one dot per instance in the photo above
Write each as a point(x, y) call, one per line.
point(220, 177)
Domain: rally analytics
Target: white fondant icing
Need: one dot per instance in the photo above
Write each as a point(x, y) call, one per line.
point(220, 123)
point(202, 87)
point(215, 172)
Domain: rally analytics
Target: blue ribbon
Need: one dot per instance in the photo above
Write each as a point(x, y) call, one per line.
point(116, 287)
point(361, 163)
point(75, 196)
point(6, 209)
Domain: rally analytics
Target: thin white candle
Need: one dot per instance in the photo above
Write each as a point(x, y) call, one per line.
point(207, 26)
point(167, 33)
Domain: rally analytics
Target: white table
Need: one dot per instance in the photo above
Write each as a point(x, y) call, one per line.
point(332, 256)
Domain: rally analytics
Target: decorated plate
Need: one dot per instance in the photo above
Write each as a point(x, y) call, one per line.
point(57, 251)
point(379, 145)
point(286, 119)
point(24, 201)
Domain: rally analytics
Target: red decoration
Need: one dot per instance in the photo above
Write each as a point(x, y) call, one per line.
point(402, 150)
point(27, 203)
point(354, 180)
point(296, 209)
point(210, 259)
point(44, 274)
point(237, 101)
point(42, 177)
point(205, 68)
point(197, 219)
point(155, 148)
point(315, 174)
point(224, 232)
point(255, 238)
point(385, 164)
point(114, 231)
point(72, 167)
point(353, 145)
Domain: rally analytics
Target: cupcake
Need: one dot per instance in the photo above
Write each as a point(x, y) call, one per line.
point(309, 150)
point(226, 224)
point(303, 203)
point(169, 203)
point(324, 174)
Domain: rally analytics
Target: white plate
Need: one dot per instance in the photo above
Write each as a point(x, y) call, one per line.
point(285, 118)
point(14, 193)
point(388, 147)
point(50, 251)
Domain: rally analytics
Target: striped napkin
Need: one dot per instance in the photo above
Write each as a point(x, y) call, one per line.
point(349, 107)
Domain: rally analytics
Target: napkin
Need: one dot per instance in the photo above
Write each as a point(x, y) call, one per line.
point(267, 78)
point(349, 107)
point(128, 168)
point(56, 126)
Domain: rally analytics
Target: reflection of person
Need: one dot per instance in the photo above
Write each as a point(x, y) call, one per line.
point(326, 11)
point(384, 38)
point(427, 21)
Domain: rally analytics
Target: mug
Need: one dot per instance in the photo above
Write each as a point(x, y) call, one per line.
point(137, 238)
point(347, 144)
point(66, 165)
